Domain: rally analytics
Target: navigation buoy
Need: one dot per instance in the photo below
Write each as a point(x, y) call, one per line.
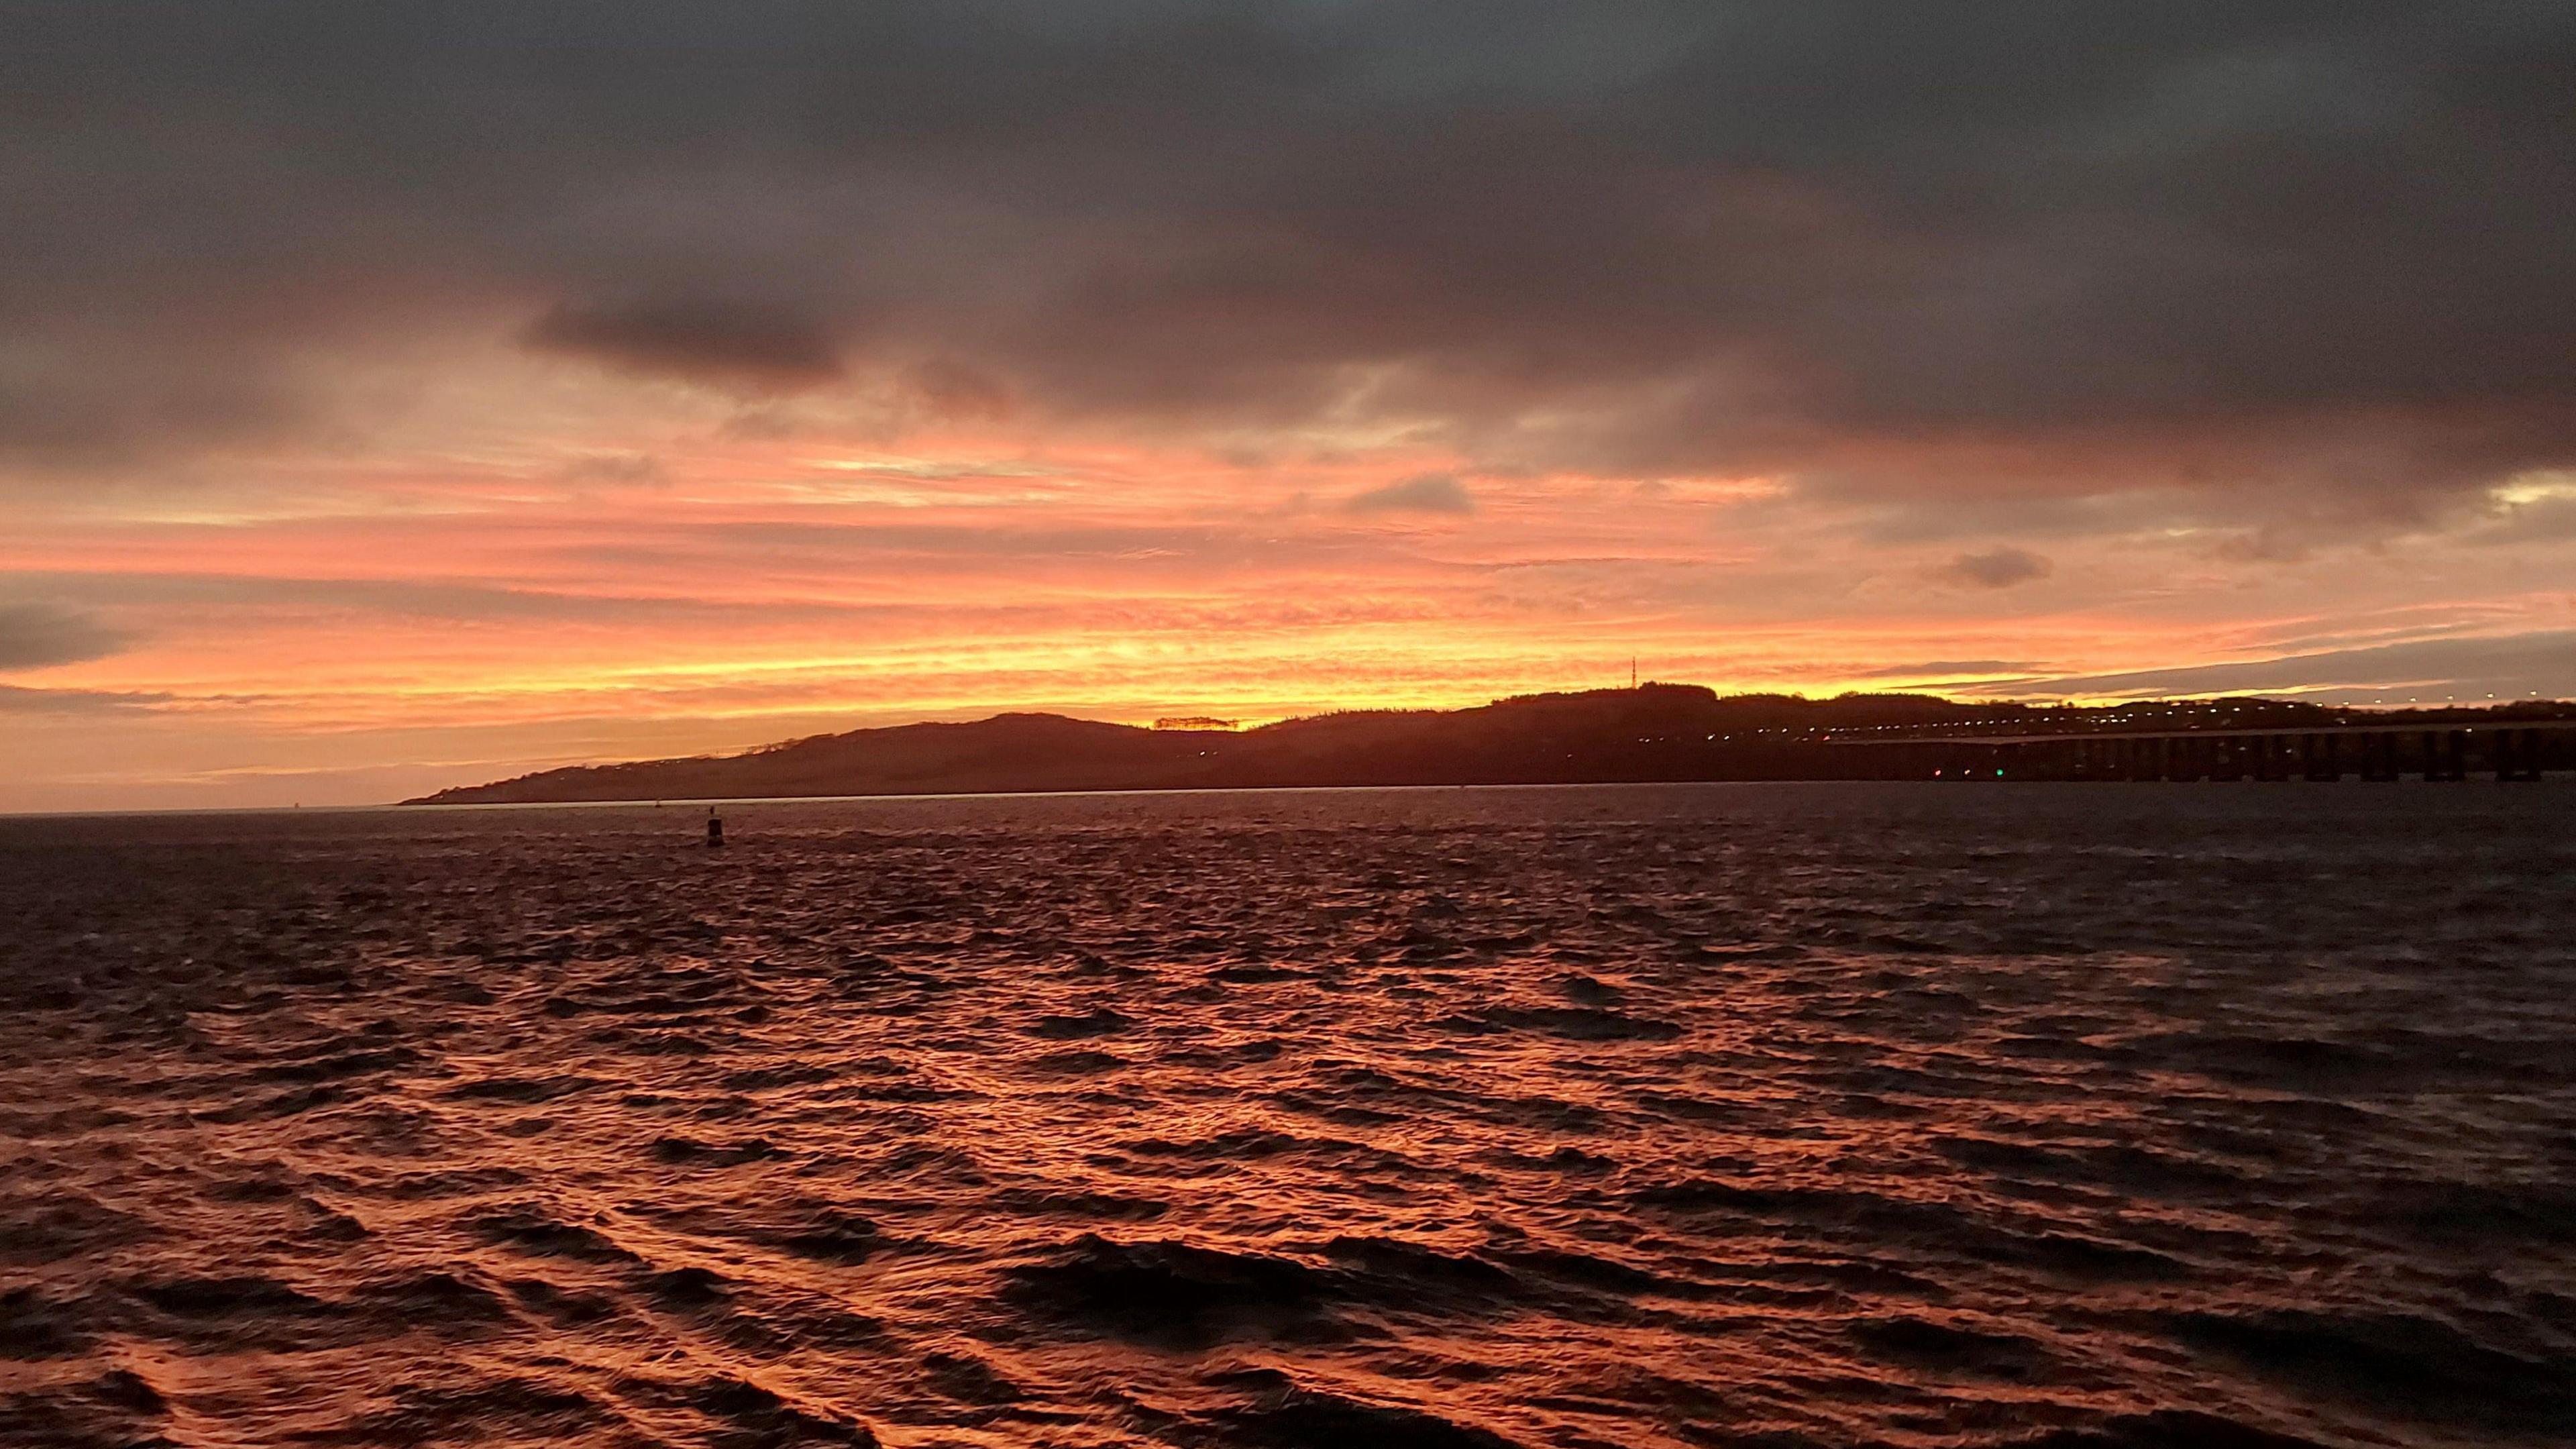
point(715, 829)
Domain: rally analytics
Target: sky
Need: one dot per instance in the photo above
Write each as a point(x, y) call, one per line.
point(395, 396)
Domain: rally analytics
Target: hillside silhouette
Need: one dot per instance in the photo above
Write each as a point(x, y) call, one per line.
point(1647, 733)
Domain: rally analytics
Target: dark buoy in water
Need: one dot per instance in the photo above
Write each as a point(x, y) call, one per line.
point(715, 829)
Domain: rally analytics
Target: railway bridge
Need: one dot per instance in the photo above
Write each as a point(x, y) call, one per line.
point(2507, 750)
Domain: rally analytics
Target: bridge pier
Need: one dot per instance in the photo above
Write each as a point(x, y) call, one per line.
point(2379, 758)
point(2517, 754)
point(2227, 760)
point(2446, 755)
point(2269, 761)
point(2320, 758)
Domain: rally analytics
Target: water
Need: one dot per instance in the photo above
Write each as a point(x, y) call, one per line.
point(1729, 1115)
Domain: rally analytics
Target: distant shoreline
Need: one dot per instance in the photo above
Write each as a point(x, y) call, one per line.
point(1647, 734)
point(426, 807)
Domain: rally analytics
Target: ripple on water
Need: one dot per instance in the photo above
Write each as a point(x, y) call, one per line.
point(1732, 1116)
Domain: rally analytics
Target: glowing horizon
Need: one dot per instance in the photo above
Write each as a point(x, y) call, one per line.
point(491, 616)
point(358, 437)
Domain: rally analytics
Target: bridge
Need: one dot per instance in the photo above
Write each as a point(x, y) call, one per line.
point(2507, 750)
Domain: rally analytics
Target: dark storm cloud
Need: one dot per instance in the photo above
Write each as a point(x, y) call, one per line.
point(1996, 568)
point(33, 636)
point(762, 349)
point(2313, 245)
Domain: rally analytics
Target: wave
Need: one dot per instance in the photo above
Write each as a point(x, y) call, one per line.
point(1655, 1118)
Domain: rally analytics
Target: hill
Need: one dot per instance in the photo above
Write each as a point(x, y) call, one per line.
point(1652, 732)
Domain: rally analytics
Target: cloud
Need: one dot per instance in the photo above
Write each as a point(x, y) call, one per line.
point(34, 636)
point(2276, 247)
point(75, 405)
point(18, 699)
point(950, 390)
point(2540, 664)
point(752, 348)
point(639, 468)
point(1429, 493)
point(1937, 668)
point(1996, 568)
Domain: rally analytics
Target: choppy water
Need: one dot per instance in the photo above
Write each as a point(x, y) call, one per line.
point(1736, 1115)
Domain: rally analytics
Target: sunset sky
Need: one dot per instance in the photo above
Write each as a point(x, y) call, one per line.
point(398, 396)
